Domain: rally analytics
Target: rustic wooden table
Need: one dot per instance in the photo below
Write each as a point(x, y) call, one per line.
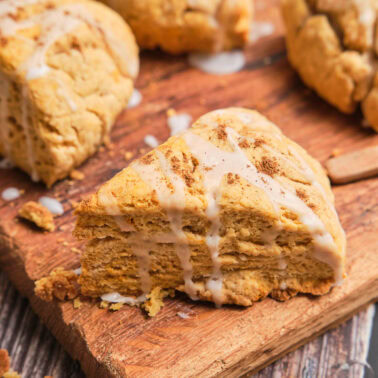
point(342, 352)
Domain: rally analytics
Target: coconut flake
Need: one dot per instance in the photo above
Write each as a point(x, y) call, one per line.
point(226, 62)
point(179, 123)
point(53, 205)
point(10, 194)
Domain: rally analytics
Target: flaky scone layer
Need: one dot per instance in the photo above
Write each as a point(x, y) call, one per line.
point(229, 211)
point(179, 26)
point(66, 72)
point(332, 45)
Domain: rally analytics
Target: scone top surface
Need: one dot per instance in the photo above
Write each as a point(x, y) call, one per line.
point(67, 70)
point(179, 26)
point(332, 45)
point(230, 191)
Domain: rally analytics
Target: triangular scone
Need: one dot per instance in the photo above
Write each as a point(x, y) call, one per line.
point(230, 211)
point(66, 72)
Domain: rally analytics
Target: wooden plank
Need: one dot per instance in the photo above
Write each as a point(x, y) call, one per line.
point(230, 341)
point(35, 353)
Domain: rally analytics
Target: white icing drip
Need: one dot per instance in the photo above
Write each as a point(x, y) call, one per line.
point(179, 123)
point(183, 315)
point(141, 250)
point(173, 203)
point(135, 99)
point(259, 30)
point(10, 194)
point(26, 128)
point(151, 141)
point(222, 162)
point(4, 113)
point(53, 205)
point(118, 298)
point(283, 285)
point(226, 62)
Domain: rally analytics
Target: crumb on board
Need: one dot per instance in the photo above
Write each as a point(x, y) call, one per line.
point(5, 369)
point(76, 175)
point(129, 155)
point(171, 112)
point(154, 301)
point(104, 304)
point(336, 152)
point(77, 303)
point(60, 283)
point(115, 306)
point(4, 362)
point(183, 315)
point(76, 250)
point(38, 214)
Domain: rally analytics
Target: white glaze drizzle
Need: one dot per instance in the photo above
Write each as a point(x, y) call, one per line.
point(118, 298)
point(178, 123)
point(173, 202)
point(10, 194)
point(135, 99)
point(222, 63)
point(52, 204)
point(236, 162)
point(54, 24)
point(151, 141)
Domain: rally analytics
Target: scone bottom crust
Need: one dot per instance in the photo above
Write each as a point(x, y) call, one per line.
point(230, 211)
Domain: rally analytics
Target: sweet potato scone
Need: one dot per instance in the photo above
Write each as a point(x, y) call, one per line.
point(332, 45)
point(179, 26)
point(229, 211)
point(66, 72)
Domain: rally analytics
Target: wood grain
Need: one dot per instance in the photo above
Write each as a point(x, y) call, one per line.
point(226, 342)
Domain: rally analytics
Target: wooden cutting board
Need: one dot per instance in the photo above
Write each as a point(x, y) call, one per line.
point(230, 341)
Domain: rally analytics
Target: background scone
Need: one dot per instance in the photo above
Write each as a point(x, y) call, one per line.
point(333, 47)
point(229, 211)
point(66, 72)
point(178, 26)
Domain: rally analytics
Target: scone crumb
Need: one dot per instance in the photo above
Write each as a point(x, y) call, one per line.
point(283, 295)
point(76, 250)
point(155, 301)
point(116, 306)
point(104, 304)
point(77, 303)
point(129, 155)
point(77, 175)
point(61, 284)
point(38, 214)
point(171, 112)
point(4, 362)
point(336, 152)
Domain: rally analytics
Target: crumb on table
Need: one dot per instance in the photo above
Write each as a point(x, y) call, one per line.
point(77, 175)
point(38, 214)
point(61, 284)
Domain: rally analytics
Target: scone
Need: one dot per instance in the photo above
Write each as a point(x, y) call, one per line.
point(66, 72)
point(332, 45)
point(178, 26)
point(230, 211)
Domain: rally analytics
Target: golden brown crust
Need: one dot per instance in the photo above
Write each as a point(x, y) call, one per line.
point(63, 84)
point(263, 249)
point(38, 214)
point(4, 362)
point(178, 26)
point(331, 45)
